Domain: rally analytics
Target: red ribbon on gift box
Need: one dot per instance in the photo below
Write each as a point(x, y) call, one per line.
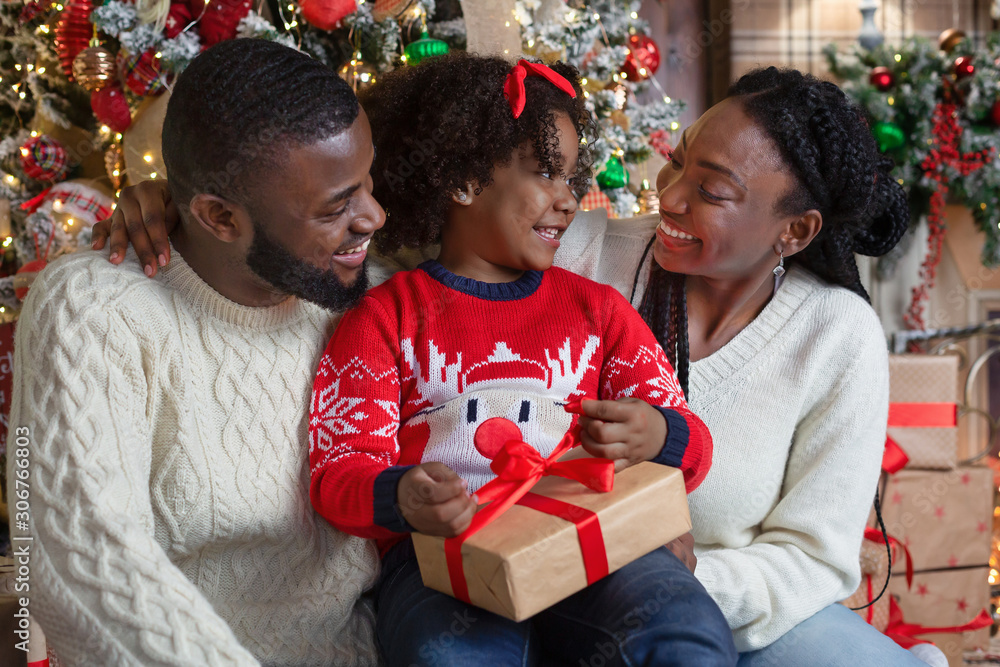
point(914, 415)
point(518, 467)
point(894, 544)
point(905, 634)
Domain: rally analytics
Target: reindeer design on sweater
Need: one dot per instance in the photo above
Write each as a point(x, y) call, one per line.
point(475, 409)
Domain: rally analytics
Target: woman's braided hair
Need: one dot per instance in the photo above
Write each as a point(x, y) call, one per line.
point(827, 145)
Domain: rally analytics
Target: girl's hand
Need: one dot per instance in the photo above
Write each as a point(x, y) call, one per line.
point(627, 431)
point(145, 216)
point(435, 500)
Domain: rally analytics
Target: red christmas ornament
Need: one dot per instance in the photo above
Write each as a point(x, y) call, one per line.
point(33, 9)
point(178, 18)
point(29, 270)
point(111, 108)
point(141, 73)
point(220, 18)
point(995, 113)
point(73, 33)
point(44, 159)
point(964, 67)
point(882, 78)
point(643, 54)
point(326, 14)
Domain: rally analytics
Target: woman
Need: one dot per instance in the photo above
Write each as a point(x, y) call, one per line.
point(751, 286)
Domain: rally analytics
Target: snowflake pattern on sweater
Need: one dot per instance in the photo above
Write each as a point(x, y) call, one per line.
point(429, 363)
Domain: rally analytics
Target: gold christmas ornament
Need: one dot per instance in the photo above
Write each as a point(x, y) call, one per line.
point(114, 162)
point(621, 119)
point(949, 39)
point(358, 75)
point(648, 200)
point(94, 68)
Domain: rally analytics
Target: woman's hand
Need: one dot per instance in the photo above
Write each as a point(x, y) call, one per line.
point(144, 216)
point(435, 500)
point(683, 548)
point(627, 431)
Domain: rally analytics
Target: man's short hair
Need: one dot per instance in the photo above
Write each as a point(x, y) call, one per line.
point(239, 107)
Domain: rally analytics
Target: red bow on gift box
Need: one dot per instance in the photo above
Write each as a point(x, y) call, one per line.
point(519, 466)
point(905, 634)
point(914, 415)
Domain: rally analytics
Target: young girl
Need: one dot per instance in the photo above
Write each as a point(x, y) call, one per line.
point(421, 377)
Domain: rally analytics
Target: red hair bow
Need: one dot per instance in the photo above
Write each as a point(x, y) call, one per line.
point(513, 85)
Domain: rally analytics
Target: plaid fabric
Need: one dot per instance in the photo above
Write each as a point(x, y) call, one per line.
point(596, 199)
point(44, 159)
point(141, 73)
point(82, 202)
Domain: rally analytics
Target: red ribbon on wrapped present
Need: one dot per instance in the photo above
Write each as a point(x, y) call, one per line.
point(914, 415)
point(518, 467)
point(905, 634)
point(894, 544)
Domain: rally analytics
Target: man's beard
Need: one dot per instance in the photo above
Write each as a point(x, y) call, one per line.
point(284, 271)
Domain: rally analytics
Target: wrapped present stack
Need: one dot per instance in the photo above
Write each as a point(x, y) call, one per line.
point(939, 512)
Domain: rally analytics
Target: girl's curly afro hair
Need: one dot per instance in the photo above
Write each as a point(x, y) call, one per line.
point(445, 124)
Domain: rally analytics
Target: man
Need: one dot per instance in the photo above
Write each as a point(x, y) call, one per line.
point(167, 419)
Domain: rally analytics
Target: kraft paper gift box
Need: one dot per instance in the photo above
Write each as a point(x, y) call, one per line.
point(923, 401)
point(874, 572)
point(944, 517)
point(948, 598)
point(527, 560)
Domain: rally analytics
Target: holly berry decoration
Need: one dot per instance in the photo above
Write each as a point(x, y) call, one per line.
point(178, 18)
point(94, 67)
point(643, 58)
point(882, 78)
point(326, 14)
point(141, 73)
point(44, 159)
point(220, 18)
point(73, 33)
point(964, 67)
point(111, 108)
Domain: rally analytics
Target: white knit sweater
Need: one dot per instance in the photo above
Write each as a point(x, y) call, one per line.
point(169, 476)
point(797, 405)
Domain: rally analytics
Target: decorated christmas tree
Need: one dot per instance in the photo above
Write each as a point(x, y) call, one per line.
point(83, 88)
point(935, 108)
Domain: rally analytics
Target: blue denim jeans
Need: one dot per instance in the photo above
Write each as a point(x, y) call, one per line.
point(651, 612)
point(833, 637)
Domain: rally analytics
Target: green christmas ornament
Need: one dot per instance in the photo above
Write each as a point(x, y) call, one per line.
point(889, 136)
point(614, 175)
point(425, 47)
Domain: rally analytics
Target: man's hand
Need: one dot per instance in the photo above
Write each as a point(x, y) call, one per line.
point(683, 548)
point(435, 500)
point(145, 216)
point(627, 431)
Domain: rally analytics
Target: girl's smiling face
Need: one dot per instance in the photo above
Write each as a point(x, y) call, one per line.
point(515, 223)
point(719, 198)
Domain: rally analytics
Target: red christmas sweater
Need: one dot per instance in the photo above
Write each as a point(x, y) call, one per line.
point(427, 358)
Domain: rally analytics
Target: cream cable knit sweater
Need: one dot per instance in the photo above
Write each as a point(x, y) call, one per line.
point(797, 405)
point(169, 476)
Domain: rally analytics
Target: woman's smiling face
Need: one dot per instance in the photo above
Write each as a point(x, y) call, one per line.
point(719, 196)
